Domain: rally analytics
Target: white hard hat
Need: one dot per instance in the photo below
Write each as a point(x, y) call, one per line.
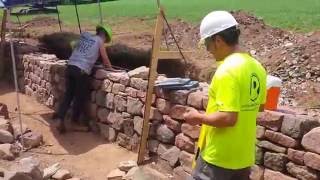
point(216, 22)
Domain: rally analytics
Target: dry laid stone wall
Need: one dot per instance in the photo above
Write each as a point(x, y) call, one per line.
point(287, 145)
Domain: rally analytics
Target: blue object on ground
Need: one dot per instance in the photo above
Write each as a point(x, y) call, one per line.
point(177, 84)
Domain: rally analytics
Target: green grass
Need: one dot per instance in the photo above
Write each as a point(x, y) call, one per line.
point(300, 15)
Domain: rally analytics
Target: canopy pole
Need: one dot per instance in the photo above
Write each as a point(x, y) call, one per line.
point(58, 13)
point(15, 77)
point(76, 7)
point(100, 11)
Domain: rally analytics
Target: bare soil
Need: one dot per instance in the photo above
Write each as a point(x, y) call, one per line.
point(86, 155)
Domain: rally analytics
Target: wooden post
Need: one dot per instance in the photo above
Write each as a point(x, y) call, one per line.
point(156, 55)
point(3, 41)
point(152, 78)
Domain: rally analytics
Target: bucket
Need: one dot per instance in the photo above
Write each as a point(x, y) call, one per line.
point(273, 92)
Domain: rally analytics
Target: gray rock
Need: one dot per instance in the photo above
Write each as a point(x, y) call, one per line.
point(6, 136)
point(259, 156)
point(32, 140)
point(165, 135)
point(311, 140)
point(185, 160)
point(139, 84)
point(134, 106)
point(153, 145)
point(270, 146)
point(116, 88)
point(103, 114)
point(101, 98)
point(275, 161)
point(120, 103)
point(27, 169)
point(296, 156)
point(162, 148)
point(260, 132)
point(6, 152)
point(271, 120)
point(163, 105)
point(62, 174)
point(5, 124)
point(128, 127)
point(191, 131)
point(138, 123)
point(140, 72)
point(180, 174)
point(179, 96)
point(171, 155)
point(116, 174)
point(195, 99)
point(107, 86)
point(297, 126)
point(172, 124)
point(185, 143)
point(127, 165)
point(110, 101)
point(302, 172)
point(273, 175)
point(256, 173)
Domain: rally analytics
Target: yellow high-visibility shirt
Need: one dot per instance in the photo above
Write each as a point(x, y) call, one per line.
point(239, 85)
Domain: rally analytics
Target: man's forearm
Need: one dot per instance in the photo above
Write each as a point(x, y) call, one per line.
point(219, 119)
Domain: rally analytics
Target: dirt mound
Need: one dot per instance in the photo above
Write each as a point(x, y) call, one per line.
point(41, 22)
point(58, 43)
point(294, 57)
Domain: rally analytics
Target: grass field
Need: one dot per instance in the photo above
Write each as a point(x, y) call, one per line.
point(301, 15)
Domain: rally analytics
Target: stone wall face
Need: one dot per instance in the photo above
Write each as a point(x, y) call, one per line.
point(288, 146)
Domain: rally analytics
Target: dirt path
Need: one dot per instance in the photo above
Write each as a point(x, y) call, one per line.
point(86, 155)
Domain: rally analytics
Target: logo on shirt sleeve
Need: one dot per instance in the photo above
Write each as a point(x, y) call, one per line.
point(254, 87)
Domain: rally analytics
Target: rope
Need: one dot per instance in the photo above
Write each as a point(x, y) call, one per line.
point(15, 78)
point(174, 38)
point(76, 7)
point(100, 12)
point(59, 18)
point(171, 32)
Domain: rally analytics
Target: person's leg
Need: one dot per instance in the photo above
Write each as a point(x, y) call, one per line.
point(81, 97)
point(67, 99)
point(206, 171)
point(242, 174)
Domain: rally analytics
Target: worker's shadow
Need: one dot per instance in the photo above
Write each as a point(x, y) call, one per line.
point(74, 143)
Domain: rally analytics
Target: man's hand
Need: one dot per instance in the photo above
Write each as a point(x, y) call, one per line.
point(193, 117)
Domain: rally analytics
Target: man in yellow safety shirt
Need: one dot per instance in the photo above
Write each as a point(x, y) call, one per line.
point(236, 94)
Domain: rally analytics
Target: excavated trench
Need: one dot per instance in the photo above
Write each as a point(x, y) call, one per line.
point(120, 55)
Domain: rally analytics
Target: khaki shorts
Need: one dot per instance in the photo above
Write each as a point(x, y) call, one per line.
point(206, 171)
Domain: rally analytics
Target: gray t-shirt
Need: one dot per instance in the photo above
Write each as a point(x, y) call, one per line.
point(86, 52)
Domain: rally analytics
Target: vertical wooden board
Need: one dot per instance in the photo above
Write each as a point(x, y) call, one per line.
point(152, 78)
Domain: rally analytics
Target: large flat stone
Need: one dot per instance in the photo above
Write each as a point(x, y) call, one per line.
point(165, 135)
point(302, 172)
point(270, 146)
point(296, 156)
point(271, 120)
point(312, 160)
point(273, 175)
point(280, 138)
point(275, 161)
point(311, 141)
point(171, 155)
point(184, 143)
point(191, 131)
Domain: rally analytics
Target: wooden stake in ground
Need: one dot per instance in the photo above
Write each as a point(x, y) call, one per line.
point(156, 55)
point(3, 41)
